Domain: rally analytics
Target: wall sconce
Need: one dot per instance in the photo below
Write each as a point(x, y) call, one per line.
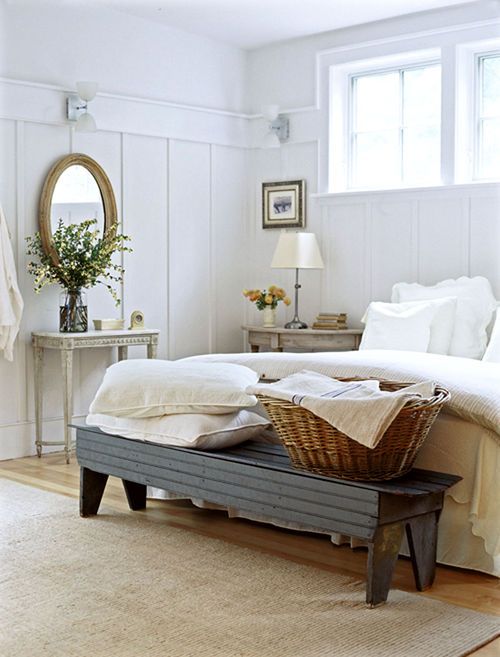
point(278, 129)
point(77, 107)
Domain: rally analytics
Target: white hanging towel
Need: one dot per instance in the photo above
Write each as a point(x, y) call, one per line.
point(358, 408)
point(11, 301)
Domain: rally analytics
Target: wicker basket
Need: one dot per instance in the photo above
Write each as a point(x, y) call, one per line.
point(315, 445)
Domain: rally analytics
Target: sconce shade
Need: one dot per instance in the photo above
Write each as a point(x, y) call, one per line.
point(297, 251)
point(87, 90)
point(270, 112)
point(86, 123)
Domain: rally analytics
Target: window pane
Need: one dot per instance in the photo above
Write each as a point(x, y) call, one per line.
point(490, 87)
point(376, 101)
point(421, 155)
point(376, 159)
point(489, 166)
point(422, 96)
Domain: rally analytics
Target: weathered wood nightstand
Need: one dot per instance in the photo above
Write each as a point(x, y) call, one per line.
point(281, 339)
point(66, 343)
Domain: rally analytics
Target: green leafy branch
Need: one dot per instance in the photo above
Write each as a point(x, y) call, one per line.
point(85, 258)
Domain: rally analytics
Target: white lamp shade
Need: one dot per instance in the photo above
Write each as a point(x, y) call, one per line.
point(86, 123)
point(297, 251)
point(87, 90)
point(270, 112)
point(271, 140)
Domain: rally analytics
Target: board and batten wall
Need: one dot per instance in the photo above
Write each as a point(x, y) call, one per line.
point(180, 181)
point(371, 240)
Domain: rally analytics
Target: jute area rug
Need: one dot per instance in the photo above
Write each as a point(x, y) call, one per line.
point(126, 585)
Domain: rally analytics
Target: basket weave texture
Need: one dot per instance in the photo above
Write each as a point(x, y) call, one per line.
point(315, 445)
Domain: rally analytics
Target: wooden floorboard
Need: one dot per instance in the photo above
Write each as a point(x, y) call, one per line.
point(453, 585)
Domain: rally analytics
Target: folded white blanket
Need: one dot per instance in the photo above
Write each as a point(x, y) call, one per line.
point(359, 408)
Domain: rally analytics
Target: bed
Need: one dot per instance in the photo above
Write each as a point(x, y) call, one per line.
point(465, 440)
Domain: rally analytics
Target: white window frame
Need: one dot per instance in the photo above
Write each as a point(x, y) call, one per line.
point(339, 166)
point(477, 118)
point(400, 69)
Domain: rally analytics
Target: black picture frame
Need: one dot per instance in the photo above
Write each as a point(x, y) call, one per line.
point(283, 204)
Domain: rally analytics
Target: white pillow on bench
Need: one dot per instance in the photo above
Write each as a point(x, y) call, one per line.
point(150, 388)
point(197, 431)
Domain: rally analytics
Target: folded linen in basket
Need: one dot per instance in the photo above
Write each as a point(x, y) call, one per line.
point(357, 408)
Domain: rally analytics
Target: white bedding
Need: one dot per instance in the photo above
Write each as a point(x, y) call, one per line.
point(467, 444)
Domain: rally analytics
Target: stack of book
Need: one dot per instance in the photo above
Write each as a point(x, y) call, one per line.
point(331, 321)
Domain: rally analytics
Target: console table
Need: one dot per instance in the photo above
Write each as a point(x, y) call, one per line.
point(66, 343)
point(280, 339)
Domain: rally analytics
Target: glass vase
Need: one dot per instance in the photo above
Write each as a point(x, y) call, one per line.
point(73, 316)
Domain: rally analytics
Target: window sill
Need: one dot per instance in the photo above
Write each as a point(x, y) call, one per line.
point(457, 189)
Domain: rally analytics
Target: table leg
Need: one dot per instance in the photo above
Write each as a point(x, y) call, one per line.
point(422, 541)
point(122, 353)
point(382, 556)
point(67, 375)
point(38, 355)
point(152, 349)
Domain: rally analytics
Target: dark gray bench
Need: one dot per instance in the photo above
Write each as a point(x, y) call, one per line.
point(260, 478)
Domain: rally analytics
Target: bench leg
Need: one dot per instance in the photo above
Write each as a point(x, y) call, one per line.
point(136, 495)
point(422, 541)
point(92, 485)
point(382, 556)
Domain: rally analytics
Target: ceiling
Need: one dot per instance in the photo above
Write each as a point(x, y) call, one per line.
point(253, 23)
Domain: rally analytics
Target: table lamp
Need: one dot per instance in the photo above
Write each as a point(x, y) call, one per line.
point(297, 251)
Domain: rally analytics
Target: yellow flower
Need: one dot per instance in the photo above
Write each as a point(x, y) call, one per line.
point(246, 292)
point(268, 299)
point(280, 293)
point(271, 289)
point(287, 301)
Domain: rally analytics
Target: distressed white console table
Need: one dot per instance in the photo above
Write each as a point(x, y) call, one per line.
point(66, 343)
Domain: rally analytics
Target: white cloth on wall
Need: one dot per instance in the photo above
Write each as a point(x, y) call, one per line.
point(11, 301)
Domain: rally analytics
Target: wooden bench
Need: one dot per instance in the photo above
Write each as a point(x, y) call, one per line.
point(260, 479)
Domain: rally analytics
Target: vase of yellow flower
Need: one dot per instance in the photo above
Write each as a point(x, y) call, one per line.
point(267, 301)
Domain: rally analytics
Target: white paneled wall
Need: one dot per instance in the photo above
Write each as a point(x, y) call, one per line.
point(183, 203)
point(371, 240)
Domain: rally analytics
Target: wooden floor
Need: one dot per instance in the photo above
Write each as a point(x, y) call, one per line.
point(459, 587)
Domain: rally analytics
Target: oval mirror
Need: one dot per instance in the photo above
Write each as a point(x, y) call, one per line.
point(76, 189)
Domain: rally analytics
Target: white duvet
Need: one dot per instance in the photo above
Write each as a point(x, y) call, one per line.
point(474, 385)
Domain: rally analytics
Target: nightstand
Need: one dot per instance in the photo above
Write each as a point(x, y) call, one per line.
point(282, 339)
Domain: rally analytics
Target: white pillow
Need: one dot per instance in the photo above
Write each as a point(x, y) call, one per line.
point(492, 353)
point(475, 307)
point(441, 327)
point(198, 431)
point(150, 388)
point(391, 326)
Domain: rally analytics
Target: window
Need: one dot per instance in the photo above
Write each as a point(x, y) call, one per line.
point(395, 134)
point(487, 151)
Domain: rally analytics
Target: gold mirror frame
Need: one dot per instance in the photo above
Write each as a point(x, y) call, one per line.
point(105, 188)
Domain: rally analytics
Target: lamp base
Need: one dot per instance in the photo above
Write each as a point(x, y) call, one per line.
point(295, 324)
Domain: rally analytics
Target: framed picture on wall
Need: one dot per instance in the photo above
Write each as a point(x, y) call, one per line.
point(283, 204)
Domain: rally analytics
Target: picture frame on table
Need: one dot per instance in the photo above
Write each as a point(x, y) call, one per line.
point(283, 204)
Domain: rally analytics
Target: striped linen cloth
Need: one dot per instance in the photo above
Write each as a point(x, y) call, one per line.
point(359, 409)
